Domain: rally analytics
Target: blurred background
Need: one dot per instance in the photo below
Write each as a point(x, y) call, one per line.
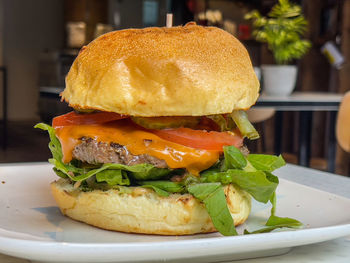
point(39, 40)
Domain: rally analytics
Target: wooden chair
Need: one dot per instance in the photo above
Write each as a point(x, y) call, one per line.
point(343, 123)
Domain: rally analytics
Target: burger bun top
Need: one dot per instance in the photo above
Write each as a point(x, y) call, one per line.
point(180, 71)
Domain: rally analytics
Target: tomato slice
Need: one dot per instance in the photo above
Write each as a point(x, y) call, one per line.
point(200, 139)
point(73, 118)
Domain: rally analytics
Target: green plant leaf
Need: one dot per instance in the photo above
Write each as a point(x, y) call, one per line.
point(159, 191)
point(113, 177)
point(275, 222)
point(168, 186)
point(283, 222)
point(265, 162)
point(234, 159)
point(257, 183)
point(282, 30)
point(213, 197)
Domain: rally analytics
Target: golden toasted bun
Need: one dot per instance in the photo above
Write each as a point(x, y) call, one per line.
point(343, 123)
point(179, 71)
point(143, 211)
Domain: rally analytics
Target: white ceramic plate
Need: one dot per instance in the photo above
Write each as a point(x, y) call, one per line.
point(32, 227)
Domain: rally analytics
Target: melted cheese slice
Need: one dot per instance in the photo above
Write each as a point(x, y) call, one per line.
point(137, 141)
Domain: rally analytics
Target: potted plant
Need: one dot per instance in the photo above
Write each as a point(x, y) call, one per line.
point(283, 31)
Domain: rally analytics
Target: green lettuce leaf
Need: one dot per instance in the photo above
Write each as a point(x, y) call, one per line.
point(59, 173)
point(261, 230)
point(147, 171)
point(134, 171)
point(113, 177)
point(275, 222)
point(92, 184)
point(234, 159)
point(142, 171)
point(265, 162)
point(157, 190)
point(257, 183)
point(213, 197)
point(273, 203)
point(168, 186)
point(248, 175)
point(283, 222)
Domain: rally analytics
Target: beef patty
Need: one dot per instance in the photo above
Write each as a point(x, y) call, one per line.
point(94, 152)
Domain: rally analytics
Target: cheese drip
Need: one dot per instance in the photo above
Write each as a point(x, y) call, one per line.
point(138, 141)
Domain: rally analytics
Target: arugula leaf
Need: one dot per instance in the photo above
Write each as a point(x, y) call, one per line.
point(59, 173)
point(260, 186)
point(234, 159)
point(202, 191)
point(91, 184)
point(273, 203)
point(113, 177)
point(67, 169)
point(157, 190)
point(168, 186)
point(213, 197)
point(137, 169)
point(261, 230)
point(134, 171)
point(265, 162)
point(210, 175)
point(190, 179)
point(283, 222)
point(146, 171)
point(275, 222)
point(255, 183)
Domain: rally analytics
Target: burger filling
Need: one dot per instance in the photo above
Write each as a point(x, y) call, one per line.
point(93, 152)
point(196, 155)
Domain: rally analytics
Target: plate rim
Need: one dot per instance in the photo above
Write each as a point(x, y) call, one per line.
point(206, 246)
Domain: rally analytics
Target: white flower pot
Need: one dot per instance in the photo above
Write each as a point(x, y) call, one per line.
point(279, 80)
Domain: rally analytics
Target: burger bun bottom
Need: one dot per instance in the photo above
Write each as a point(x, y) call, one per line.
point(141, 210)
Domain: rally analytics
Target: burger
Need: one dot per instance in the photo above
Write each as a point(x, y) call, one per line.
point(155, 143)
